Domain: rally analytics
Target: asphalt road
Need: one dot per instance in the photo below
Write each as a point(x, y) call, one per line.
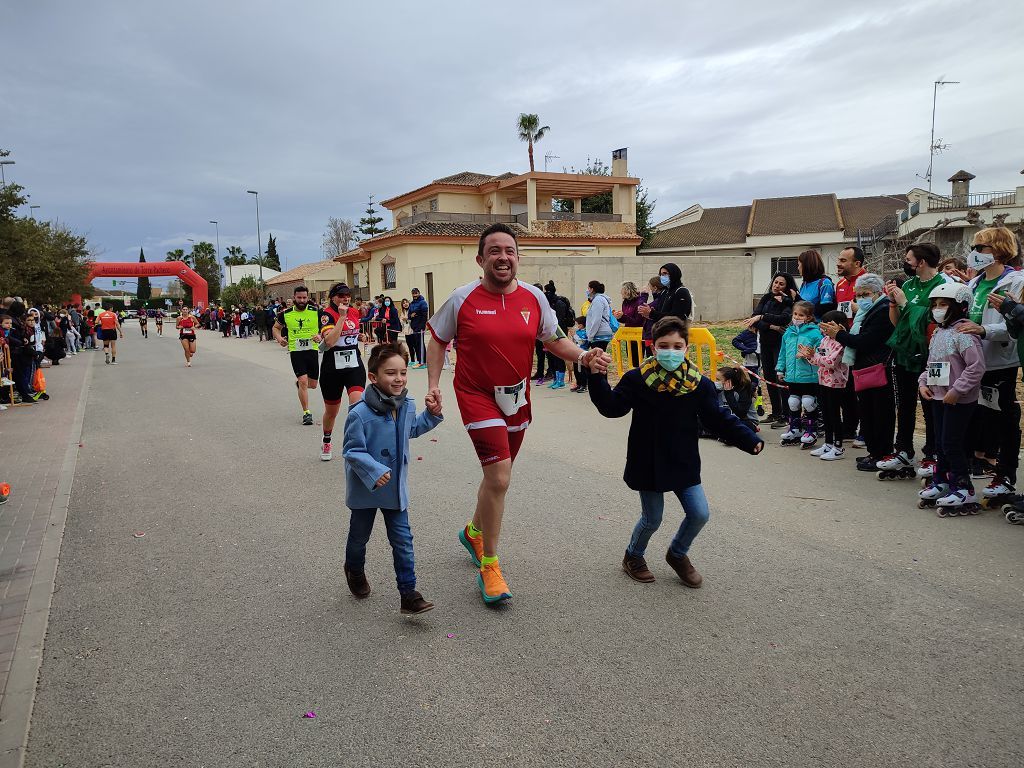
point(838, 624)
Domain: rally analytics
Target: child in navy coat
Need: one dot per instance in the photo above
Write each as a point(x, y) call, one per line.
point(376, 451)
point(667, 394)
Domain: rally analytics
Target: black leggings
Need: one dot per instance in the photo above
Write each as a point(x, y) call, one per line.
point(997, 433)
point(952, 423)
point(907, 395)
point(414, 342)
point(831, 401)
point(877, 419)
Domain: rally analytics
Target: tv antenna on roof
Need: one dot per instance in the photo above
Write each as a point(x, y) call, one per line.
point(935, 146)
point(549, 156)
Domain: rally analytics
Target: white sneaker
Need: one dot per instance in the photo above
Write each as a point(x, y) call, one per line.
point(834, 455)
point(325, 452)
point(826, 448)
point(858, 442)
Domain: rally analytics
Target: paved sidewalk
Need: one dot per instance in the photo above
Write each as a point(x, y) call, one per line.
point(40, 448)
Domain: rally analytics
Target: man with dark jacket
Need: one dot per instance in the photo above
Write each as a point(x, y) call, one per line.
point(566, 319)
point(419, 313)
point(675, 301)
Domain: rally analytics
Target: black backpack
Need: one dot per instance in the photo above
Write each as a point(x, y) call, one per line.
point(564, 312)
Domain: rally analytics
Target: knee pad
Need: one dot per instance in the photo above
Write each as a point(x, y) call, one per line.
point(794, 403)
point(810, 402)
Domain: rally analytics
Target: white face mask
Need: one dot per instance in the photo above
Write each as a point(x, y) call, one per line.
point(978, 261)
point(939, 314)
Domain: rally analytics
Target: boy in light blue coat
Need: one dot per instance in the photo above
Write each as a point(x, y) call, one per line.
point(376, 452)
point(800, 376)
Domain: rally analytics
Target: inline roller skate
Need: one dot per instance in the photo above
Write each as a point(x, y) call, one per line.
point(898, 466)
point(792, 435)
point(926, 469)
point(1014, 513)
point(958, 502)
point(998, 493)
point(931, 494)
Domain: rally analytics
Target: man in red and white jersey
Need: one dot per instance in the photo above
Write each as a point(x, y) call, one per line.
point(496, 320)
point(342, 367)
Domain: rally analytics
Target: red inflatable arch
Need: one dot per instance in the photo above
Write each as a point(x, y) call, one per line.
point(179, 269)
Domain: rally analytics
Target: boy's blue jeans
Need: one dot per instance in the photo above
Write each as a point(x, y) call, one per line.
point(399, 534)
point(652, 505)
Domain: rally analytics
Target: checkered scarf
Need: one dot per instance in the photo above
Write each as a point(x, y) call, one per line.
point(679, 382)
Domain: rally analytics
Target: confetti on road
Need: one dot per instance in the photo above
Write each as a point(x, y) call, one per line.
point(433, 439)
point(309, 715)
point(139, 534)
point(419, 458)
point(450, 635)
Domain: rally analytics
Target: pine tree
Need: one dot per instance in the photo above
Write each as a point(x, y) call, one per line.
point(368, 224)
point(144, 291)
point(273, 261)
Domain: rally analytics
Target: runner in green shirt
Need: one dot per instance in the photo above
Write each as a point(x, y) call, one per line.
point(910, 313)
point(302, 321)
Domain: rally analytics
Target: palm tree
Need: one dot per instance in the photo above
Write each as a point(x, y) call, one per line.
point(531, 132)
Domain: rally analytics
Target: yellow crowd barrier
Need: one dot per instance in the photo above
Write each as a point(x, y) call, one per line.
point(703, 351)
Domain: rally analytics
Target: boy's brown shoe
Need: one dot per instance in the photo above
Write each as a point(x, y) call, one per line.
point(357, 583)
point(413, 602)
point(636, 568)
point(689, 575)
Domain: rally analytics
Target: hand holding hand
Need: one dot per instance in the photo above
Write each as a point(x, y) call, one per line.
point(644, 310)
point(433, 404)
point(383, 480)
point(597, 359)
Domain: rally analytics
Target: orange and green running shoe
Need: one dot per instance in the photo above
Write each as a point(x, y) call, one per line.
point(492, 584)
point(475, 546)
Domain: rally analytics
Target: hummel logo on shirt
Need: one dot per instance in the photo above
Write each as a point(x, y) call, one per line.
point(487, 311)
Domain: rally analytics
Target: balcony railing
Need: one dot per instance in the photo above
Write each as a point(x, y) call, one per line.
point(573, 216)
point(458, 218)
point(504, 218)
point(973, 200)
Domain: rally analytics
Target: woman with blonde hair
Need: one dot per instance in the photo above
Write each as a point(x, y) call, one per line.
point(995, 428)
point(630, 317)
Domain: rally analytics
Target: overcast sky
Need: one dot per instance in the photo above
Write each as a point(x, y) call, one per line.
point(137, 122)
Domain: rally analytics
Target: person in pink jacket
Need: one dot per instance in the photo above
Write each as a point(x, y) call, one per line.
point(950, 384)
point(832, 376)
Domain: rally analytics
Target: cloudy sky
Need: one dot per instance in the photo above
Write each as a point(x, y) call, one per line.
point(137, 121)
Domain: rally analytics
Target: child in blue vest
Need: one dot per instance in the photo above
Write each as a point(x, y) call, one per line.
point(800, 376)
point(376, 451)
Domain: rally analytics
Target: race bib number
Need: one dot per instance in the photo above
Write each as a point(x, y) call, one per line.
point(846, 307)
point(938, 375)
point(345, 358)
point(989, 397)
point(511, 399)
point(302, 344)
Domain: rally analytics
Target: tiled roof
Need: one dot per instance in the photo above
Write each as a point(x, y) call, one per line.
point(717, 226)
point(302, 271)
point(471, 179)
point(779, 216)
point(865, 212)
point(793, 215)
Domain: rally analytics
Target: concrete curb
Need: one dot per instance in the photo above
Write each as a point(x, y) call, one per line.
point(18, 700)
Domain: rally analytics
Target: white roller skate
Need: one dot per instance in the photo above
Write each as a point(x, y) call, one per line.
point(898, 466)
point(959, 501)
point(790, 437)
point(931, 494)
point(927, 468)
point(808, 439)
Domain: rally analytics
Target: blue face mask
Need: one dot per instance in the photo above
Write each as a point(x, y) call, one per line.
point(665, 280)
point(865, 303)
point(670, 359)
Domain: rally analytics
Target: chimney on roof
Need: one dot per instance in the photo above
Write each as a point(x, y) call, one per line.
point(619, 165)
point(961, 188)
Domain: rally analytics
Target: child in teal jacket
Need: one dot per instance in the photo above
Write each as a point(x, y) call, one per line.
point(800, 376)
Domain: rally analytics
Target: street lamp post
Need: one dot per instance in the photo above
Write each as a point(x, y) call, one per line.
point(3, 181)
point(31, 211)
point(217, 226)
point(259, 240)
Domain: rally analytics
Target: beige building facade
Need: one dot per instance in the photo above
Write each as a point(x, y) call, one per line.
point(436, 228)
point(318, 278)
